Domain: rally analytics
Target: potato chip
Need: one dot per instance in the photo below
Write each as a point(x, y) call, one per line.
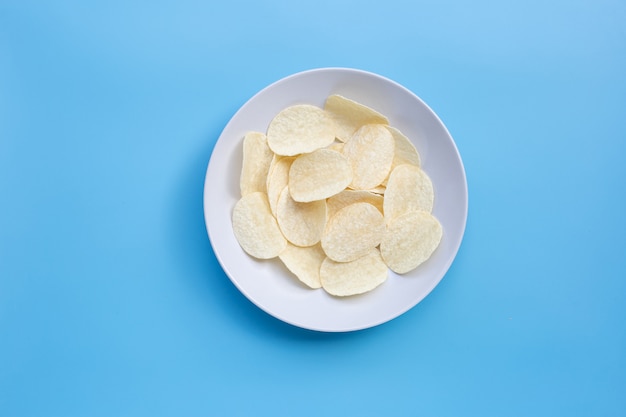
point(301, 223)
point(300, 129)
point(318, 175)
point(409, 240)
point(257, 157)
point(270, 170)
point(304, 263)
point(408, 189)
point(278, 179)
point(370, 152)
point(275, 159)
point(352, 232)
point(350, 115)
point(351, 278)
point(347, 197)
point(255, 228)
point(405, 152)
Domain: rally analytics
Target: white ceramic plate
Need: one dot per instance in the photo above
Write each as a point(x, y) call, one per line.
point(268, 284)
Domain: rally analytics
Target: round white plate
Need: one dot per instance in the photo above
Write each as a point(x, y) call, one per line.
point(268, 284)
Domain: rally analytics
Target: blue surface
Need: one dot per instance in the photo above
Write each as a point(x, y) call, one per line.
point(113, 304)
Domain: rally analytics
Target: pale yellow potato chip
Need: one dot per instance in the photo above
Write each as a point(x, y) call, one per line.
point(343, 279)
point(370, 152)
point(319, 175)
point(275, 159)
point(408, 189)
point(350, 115)
point(270, 170)
point(405, 152)
point(298, 129)
point(352, 232)
point(257, 157)
point(278, 180)
point(347, 197)
point(410, 240)
point(255, 228)
point(301, 223)
point(304, 263)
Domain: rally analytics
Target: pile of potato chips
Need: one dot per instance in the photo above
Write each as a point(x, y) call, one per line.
point(338, 195)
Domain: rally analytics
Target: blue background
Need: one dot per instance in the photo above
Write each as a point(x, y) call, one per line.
point(113, 304)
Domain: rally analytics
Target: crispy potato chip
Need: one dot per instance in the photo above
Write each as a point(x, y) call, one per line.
point(278, 180)
point(255, 228)
point(370, 152)
point(301, 223)
point(275, 159)
point(298, 129)
point(347, 197)
point(409, 240)
point(304, 263)
point(318, 175)
point(257, 157)
point(350, 115)
point(357, 277)
point(408, 189)
point(405, 151)
point(352, 232)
